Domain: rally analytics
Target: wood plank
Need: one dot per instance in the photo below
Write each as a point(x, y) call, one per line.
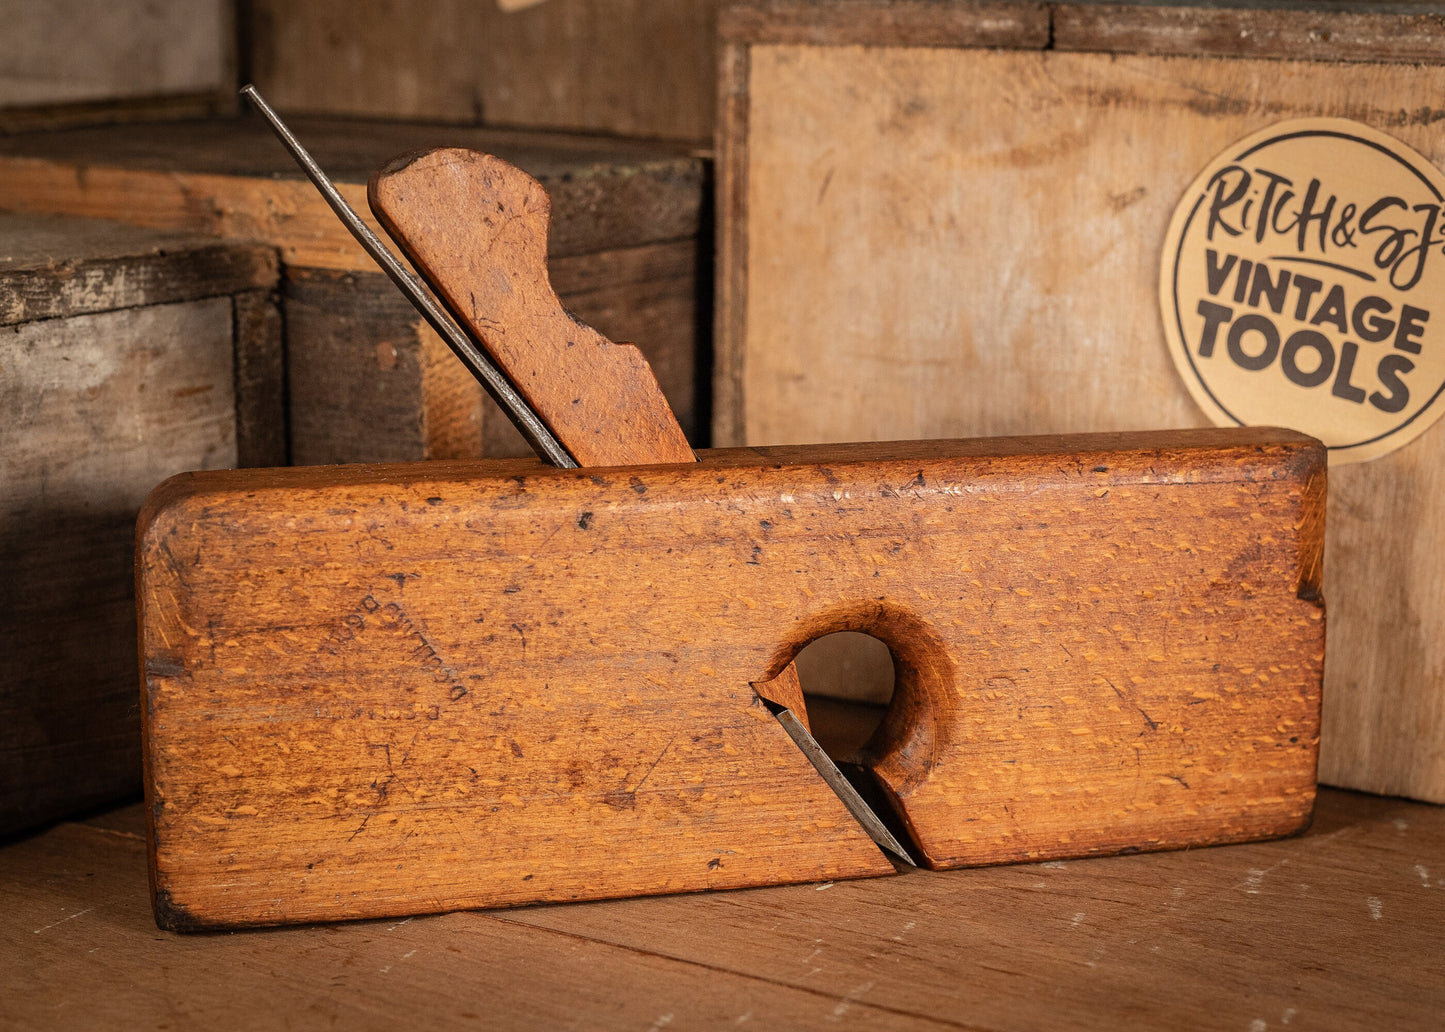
point(859, 272)
point(230, 178)
point(99, 409)
point(730, 319)
point(56, 266)
point(82, 952)
point(355, 369)
point(1385, 699)
point(907, 23)
point(349, 149)
point(1337, 929)
point(897, 184)
point(1398, 36)
point(52, 117)
point(636, 67)
point(421, 61)
point(1282, 933)
point(260, 378)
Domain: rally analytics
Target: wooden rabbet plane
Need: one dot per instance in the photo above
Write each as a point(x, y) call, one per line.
point(384, 690)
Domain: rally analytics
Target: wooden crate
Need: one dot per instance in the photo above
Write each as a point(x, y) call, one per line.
point(126, 356)
point(368, 381)
point(946, 219)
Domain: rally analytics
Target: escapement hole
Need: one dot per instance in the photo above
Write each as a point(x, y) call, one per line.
point(847, 680)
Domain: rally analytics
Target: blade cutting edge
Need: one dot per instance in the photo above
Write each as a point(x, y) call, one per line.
point(841, 786)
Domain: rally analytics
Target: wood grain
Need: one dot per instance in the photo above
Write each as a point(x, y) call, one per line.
point(915, 23)
point(1006, 281)
point(1406, 33)
point(730, 318)
point(260, 378)
point(78, 935)
point(846, 295)
point(354, 364)
point(1290, 934)
point(128, 355)
point(231, 178)
point(475, 227)
point(57, 266)
point(1336, 929)
point(1398, 36)
point(429, 665)
point(637, 67)
point(82, 443)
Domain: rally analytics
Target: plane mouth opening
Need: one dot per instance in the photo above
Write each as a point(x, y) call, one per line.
point(876, 686)
point(832, 703)
point(847, 679)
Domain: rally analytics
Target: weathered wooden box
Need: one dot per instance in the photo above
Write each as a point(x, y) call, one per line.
point(126, 355)
point(946, 219)
point(367, 380)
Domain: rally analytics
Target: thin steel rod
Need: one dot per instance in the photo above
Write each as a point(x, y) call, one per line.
point(497, 385)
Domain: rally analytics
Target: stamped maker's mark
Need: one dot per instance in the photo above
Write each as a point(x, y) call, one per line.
point(391, 618)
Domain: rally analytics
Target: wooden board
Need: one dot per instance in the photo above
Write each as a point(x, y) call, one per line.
point(121, 348)
point(54, 267)
point(459, 706)
point(1337, 929)
point(1274, 935)
point(71, 61)
point(926, 241)
point(636, 67)
point(233, 179)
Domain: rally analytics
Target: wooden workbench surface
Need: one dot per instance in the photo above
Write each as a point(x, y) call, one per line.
point(1341, 928)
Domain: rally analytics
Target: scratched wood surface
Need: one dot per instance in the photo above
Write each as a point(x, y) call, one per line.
point(362, 683)
point(929, 241)
point(1340, 929)
point(126, 356)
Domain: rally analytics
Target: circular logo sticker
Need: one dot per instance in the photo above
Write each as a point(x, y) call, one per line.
point(1300, 281)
